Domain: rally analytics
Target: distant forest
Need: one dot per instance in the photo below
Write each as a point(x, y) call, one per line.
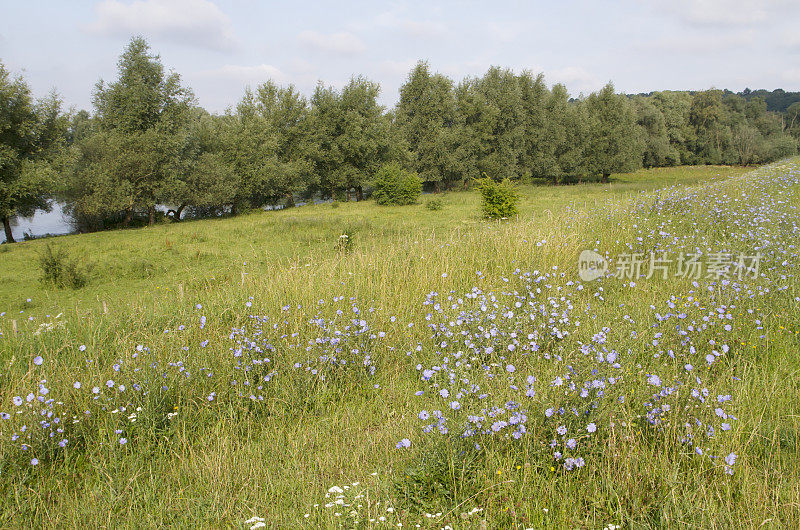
point(147, 143)
point(777, 101)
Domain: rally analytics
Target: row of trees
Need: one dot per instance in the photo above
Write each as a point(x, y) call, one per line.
point(147, 143)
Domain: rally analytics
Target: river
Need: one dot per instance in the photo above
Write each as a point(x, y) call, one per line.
point(54, 222)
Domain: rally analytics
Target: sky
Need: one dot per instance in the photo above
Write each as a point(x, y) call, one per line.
point(221, 46)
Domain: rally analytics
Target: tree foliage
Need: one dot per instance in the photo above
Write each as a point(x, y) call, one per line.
point(147, 145)
point(30, 136)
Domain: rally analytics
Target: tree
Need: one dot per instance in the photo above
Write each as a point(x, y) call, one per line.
point(142, 119)
point(538, 149)
point(674, 106)
point(793, 118)
point(352, 136)
point(613, 143)
point(491, 108)
point(208, 182)
point(653, 129)
point(29, 134)
point(287, 115)
point(428, 123)
point(706, 116)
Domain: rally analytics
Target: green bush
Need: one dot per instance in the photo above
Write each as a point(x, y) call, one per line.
point(434, 205)
point(499, 198)
point(59, 271)
point(394, 185)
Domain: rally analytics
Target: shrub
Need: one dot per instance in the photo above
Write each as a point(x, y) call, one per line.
point(434, 205)
point(499, 198)
point(59, 271)
point(394, 185)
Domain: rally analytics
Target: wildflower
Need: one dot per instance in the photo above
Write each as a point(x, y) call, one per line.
point(591, 427)
point(654, 380)
point(405, 442)
point(38, 360)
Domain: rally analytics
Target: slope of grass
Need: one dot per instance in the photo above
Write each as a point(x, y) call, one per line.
point(226, 414)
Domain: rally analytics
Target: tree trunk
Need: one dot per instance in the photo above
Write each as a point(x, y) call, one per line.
point(128, 217)
point(176, 214)
point(605, 178)
point(290, 200)
point(359, 193)
point(7, 227)
point(151, 212)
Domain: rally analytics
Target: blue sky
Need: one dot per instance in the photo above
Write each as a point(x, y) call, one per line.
point(219, 47)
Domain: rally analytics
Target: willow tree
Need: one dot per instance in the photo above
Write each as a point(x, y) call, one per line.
point(427, 119)
point(613, 141)
point(29, 133)
point(142, 122)
point(352, 136)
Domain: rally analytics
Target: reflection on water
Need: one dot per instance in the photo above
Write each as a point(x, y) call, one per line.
point(52, 222)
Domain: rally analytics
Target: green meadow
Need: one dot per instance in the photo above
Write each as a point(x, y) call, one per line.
point(232, 372)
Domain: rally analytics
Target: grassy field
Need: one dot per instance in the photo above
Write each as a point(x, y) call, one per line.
point(138, 264)
point(443, 371)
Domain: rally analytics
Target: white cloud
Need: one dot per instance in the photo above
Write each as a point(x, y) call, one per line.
point(343, 42)
point(198, 23)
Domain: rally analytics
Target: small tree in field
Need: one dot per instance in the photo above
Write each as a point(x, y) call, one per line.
point(394, 185)
point(499, 198)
